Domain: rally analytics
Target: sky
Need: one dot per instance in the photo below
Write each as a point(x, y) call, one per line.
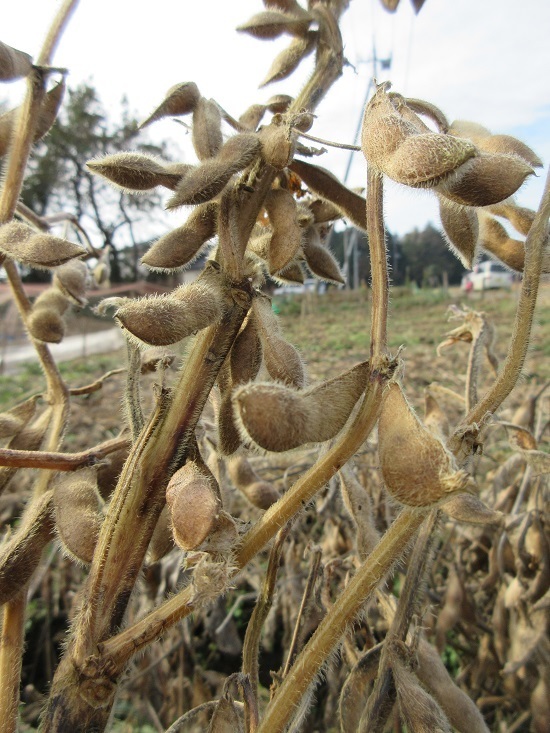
point(481, 60)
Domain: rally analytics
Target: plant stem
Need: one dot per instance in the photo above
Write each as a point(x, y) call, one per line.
point(60, 461)
point(320, 646)
point(515, 357)
point(56, 31)
point(11, 654)
point(378, 260)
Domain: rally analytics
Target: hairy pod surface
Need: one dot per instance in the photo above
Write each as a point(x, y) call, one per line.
point(287, 233)
point(461, 228)
point(251, 117)
point(183, 245)
point(180, 99)
point(14, 64)
point(78, 515)
point(518, 216)
point(319, 259)
point(278, 144)
point(208, 179)
point(279, 103)
point(207, 129)
point(288, 60)
point(36, 249)
point(278, 418)
point(134, 172)
point(417, 469)
point(495, 239)
point(261, 494)
point(508, 145)
point(71, 280)
point(194, 505)
point(272, 24)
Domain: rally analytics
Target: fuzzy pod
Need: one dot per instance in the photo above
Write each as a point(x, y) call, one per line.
point(279, 103)
point(78, 513)
point(356, 689)
point(418, 709)
point(226, 717)
point(461, 229)
point(207, 180)
point(281, 358)
point(519, 217)
point(486, 179)
point(469, 508)
point(261, 494)
point(48, 113)
point(293, 273)
point(417, 469)
point(14, 64)
point(461, 711)
point(245, 357)
point(14, 421)
point(164, 320)
point(508, 145)
point(133, 172)
point(427, 109)
point(282, 211)
point(30, 437)
point(229, 438)
point(470, 130)
point(21, 553)
point(324, 211)
point(46, 325)
point(194, 504)
point(278, 144)
point(272, 24)
point(288, 60)
point(207, 129)
point(278, 418)
point(181, 99)
point(495, 239)
point(183, 245)
point(359, 506)
point(71, 280)
point(323, 183)
point(36, 249)
point(435, 418)
point(251, 117)
point(319, 259)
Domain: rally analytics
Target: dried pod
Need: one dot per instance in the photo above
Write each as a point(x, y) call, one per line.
point(400, 149)
point(278, 144)
point(261, 494)
point(324, 211)
point(291, 274)
point(508, 145)
point(460, 710)
point(494, 238)
point(134, 172)
point(282, 360)
point(435, 418)
point(29, 438)
point(278, 418)
point(323, 183)
point(48, 113)
point(470, 130)
point(226, 718)
point(272, 24)
point(78, 515)
point(418, 709)
point(319, 259)
point(468, 508)
point(164, 320)
point(14, 64)
point(162, 541)
point(359, 505)
point(518, 216)
point(245, 357)
point(229, 438)
point(180, 99)
point(485, 179)
point(184, 244)
point(251, 118)
point(417, 468)
point(109, 471)
point(207, 131)
point(9, 425)
point(20, 555)
point(194, 504)
point(51, 299)
point(287, 233)
point(427, 109)
point(356, 688)
point(36, 249)
point(47, 325)
point(279, 103)
point(71, 280)
point(289, 58)
point(461, 228)
point(156, 359)
point(210, 178)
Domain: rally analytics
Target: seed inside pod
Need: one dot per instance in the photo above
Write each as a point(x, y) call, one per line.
point(416, 467)
point(194, 506)
point(278, 418)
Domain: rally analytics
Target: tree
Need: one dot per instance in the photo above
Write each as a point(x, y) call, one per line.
point(60, 181)
point(425, 256)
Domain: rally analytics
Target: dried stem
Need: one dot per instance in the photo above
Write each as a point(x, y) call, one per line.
point(333, 626)
point(515, 357)
point(56, 31)
point(132, 396)
point(11, 656)
point(379, 266)
point(60, 461)
point(97, 385)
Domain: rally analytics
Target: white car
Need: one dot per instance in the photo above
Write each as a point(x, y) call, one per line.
point(487, 276)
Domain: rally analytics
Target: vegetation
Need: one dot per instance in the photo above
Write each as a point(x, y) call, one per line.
point(245, 524)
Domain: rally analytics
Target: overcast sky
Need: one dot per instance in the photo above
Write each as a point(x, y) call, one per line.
point(483, 60)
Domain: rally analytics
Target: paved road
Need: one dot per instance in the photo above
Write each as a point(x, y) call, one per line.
point(72, 347)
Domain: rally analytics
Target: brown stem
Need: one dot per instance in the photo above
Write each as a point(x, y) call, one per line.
point(97, 385)
point(55, 32)
point(378, 261)
point(332, 627)
point(60, 461)
point(515, 357)
point(11, 654)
